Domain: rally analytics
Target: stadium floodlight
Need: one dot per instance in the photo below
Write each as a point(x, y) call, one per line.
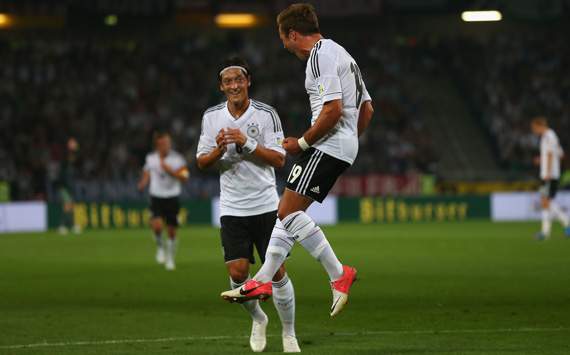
point(5, 20)
point(481, 16)
point(235, 20)
point(111, 20)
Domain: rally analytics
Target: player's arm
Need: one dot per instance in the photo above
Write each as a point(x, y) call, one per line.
point(327, 120)
point(270, 156)
point(205, 161)
point(145, 179)
point(548, 165)
point(365, 116)
point(251, 146)
point(181, 174)
point(210, 149)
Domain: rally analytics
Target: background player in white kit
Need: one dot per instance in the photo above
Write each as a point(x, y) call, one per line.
point(550, 155)
point(243, 138)
point(341, 110)
point(166, 170)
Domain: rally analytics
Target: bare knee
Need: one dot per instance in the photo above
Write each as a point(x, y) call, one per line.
point(280, 274)
point(282, 213)
point(292, 202)
point(285, 208)
point(156, 224)
point(239, 270)
point(171, 232)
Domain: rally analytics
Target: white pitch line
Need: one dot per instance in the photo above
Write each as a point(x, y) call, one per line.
point(228, 337)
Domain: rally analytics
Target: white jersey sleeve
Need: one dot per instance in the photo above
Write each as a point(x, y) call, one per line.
point(365, 94)
point(273, 134)
point(326, 70)
point(207, 142)
point(146, 166)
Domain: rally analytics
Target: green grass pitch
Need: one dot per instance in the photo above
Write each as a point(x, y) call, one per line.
point(455, 288)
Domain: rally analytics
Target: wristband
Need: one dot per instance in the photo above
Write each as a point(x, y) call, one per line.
point(303, 143)
point(250, 145)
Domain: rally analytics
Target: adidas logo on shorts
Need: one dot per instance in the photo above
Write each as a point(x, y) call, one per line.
point(316, 190)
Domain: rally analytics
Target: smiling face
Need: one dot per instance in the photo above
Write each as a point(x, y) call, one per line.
point(235, 84)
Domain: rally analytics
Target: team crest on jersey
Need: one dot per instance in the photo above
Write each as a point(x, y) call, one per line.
point(253, 130)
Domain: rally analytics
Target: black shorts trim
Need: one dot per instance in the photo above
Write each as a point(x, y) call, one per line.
point(315, 173)
point(165, 208)
point(240, 234)
point(549, 188)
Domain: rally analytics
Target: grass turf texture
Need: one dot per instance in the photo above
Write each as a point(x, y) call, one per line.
point(456, 288)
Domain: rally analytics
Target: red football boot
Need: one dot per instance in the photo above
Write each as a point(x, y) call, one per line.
point(251, 290)
point(340, 289)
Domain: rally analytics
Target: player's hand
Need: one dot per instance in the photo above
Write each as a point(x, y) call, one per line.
point(220, 140)
point(291, 145)
point(234, 135)
point(536, 160)
point(141, 186)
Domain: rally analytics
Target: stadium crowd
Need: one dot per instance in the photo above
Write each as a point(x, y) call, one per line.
point(112, 93)
point(509, 80)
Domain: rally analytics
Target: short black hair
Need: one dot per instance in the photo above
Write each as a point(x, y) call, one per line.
point(234, 61)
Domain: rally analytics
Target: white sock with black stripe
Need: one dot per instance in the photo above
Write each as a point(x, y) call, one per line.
point(311, 237)
point(279, 246)
point(284, 301)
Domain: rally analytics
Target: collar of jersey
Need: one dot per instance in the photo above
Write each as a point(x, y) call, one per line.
point(317, 42)
point(239, 119)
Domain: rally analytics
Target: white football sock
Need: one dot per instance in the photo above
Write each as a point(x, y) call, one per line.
point(279, 246)
point(546, 222)
point(284, 301)
point(252, 307)
point(158, 239)
point(171, 248)
point(311, 237)
point(557, 213)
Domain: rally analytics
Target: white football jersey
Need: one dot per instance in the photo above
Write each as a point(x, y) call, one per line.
point(333, 74)
point(162, 184)
point(549, 144)
point(247, 183)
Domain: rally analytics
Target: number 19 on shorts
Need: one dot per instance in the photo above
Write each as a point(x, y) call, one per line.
point(296, 171)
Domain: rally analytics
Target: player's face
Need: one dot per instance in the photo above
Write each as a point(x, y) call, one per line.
point(536, 129)
point(235, 84)
point(163, 145)
point(290, 42)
